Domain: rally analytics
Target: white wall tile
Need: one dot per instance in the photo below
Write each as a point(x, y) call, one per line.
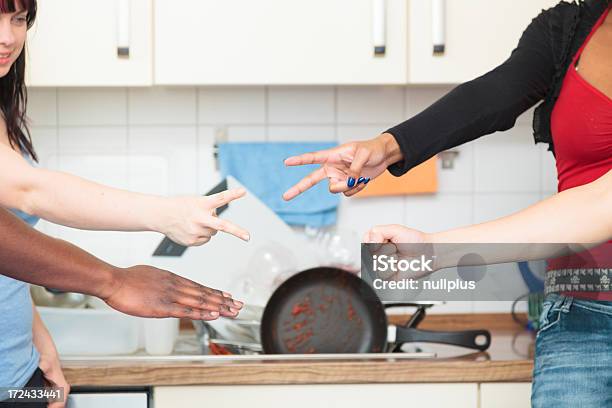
point(301, 105)
point(438, 212)
point(350, 133)
point(301, 133)
point(45, 143)
point(208, 134)
point(92, 106)
point(107, 140)
point(361, 214)
point(526, 118)
point(162, 106)
point(177, 145)
point(208, 175)
point(141, 246)
point(111, 247)
point(548, 170)
point(104, 168)
point(507, 162)
point(42, 106)
point(420, 97)
point(371, 104)
point(459, 179)
point(488, 207)
point(148, 173)
point(232, 105)
point(246, 133)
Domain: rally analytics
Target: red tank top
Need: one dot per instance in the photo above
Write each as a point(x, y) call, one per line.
point(581, 125)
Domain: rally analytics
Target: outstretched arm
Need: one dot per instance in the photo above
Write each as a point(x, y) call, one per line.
point(30, 256)
point(476, 108)
point(578, 215)
point(582, 215)
point(72, 201)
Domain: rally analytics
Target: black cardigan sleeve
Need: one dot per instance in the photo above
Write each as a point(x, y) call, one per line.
point(484, 105)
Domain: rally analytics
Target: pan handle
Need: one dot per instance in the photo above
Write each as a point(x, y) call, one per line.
point(466, 338)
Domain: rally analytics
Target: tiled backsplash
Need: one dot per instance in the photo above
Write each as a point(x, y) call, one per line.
point(159, 140)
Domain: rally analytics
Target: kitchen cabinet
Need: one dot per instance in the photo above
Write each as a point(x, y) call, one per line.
point(505, 395)
point(242, 42)
point(91, 43)
point(108, 399)
point(320, 396)
point(478, 35)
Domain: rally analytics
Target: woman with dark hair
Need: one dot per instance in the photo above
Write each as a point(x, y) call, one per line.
point(564, 61)
point(25, 343)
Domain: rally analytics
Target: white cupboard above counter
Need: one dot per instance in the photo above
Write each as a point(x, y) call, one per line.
point(242, 42)
point(477, 35)
point(91, 43)
point(271, 42)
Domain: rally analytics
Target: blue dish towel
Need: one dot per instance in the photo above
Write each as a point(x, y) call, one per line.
point(260, 168)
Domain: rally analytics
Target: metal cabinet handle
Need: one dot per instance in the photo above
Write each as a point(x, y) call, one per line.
point(438, 26)
point(379, 26)
point(123, 28)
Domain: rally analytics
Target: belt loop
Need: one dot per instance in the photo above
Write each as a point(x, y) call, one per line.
point(567, 303)
point(559, 302)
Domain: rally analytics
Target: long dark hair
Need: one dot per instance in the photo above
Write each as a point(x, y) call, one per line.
point(13, 93)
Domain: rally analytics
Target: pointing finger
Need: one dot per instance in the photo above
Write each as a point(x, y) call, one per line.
point(319, 157)
point(230, 228)
point(225, 197)
point(307, 182)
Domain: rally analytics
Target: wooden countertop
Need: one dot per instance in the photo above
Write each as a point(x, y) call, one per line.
point(509, 359)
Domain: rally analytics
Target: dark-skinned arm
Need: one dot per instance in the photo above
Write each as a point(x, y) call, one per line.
point(33, 257)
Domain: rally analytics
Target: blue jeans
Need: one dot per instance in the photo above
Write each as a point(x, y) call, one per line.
point(573, 361)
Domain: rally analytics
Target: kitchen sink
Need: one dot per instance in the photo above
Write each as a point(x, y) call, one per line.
point(92, 332)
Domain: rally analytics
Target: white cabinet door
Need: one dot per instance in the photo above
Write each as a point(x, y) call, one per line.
point(509, 395)
point(479, 35)
point(76, 42)
point(105, 400)
point(209, 42)
point(320, 396)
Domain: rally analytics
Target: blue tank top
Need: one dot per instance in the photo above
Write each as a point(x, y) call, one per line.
point(18, 356)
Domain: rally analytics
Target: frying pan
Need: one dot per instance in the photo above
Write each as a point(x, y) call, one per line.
point(329, 310)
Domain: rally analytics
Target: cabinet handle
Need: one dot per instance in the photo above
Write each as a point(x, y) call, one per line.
point(438, 26)
point(123, 28)
point(379, 26)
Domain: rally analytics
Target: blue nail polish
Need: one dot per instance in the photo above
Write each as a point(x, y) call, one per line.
point(360, 180)
point(350, 182)
point(366, 181)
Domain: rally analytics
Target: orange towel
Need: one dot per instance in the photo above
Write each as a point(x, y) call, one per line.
point(423, 179)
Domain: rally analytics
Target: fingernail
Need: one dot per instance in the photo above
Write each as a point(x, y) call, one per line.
point(234, 311)
point(227, 295)
point(214, 314)
point(246, 237)
point(366, 181)
point(238, 303)
point(360, 180)
point(350, 182)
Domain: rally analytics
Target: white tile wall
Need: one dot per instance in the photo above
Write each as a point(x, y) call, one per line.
point(92, 107)
point(507, 162)
point(370, 105)
point(159, 140)
point(230, 106)
point(162, 106)
point(301, 105)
